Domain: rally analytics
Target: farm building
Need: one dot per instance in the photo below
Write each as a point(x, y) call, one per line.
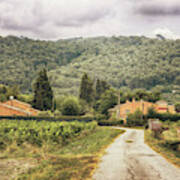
point(122, 110)
point(17, 108)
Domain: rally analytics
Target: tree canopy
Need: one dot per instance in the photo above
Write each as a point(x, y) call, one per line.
point(86, 89)
point(134, 62)
point(43, 94)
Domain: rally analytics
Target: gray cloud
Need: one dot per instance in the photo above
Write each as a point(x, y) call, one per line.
point(34, 15)
point(81, 20)
point(53, 19)
point(159, 10)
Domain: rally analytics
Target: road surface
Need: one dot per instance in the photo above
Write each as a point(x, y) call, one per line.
point(129, 158)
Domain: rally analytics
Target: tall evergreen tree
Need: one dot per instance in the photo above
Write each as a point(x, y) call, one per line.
point(101, 87)
point(86, 89)
point(43, 94)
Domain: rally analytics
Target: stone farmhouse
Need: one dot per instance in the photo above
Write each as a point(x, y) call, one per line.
point(14, 107)
point(122, 110)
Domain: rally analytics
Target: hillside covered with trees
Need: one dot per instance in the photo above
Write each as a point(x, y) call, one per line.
point(133, 62)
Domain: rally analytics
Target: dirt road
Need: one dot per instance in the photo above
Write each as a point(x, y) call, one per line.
point(129, 158)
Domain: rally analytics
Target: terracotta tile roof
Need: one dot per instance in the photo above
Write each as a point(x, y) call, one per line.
point(15, 107)
point(17, 102)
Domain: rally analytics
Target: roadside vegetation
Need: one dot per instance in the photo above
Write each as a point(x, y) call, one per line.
point(52, 150)
point(167, 143)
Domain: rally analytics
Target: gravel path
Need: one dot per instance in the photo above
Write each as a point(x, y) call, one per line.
point(129, 158)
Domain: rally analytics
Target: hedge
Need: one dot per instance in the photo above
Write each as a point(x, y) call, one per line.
point(164, 116)
point(110, 123)
point(60, 118)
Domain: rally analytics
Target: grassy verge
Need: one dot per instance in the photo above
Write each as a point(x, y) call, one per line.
point(76, 159)
point(160, 146)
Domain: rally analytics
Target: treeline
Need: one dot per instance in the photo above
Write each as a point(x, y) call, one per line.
point(134, 62)
point(95, 96)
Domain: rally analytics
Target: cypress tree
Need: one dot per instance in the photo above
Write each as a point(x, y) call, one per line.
point(86, 89)
point(101, 87)
point(43, 94)
point(98, 89)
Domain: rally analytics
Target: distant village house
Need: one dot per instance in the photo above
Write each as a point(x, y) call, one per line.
point(14, 107)
point(122, 110)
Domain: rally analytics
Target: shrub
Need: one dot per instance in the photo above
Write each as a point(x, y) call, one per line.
point(84, 108)
point(100, 117)
point(177, 107)
point(174, 145)
point(59, 101)
point(110, 123)
point(136, 119)
point(28, 98)
point(164, 116)
point(3, 98)
point(71, 106)
point(45, 114)
point(57, 113)
point(151, 112)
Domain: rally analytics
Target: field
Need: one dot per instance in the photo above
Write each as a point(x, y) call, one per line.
point(167, 144)
point(51, 150)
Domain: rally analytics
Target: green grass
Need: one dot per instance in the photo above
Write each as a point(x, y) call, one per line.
point(75, 159)
point(164, 145)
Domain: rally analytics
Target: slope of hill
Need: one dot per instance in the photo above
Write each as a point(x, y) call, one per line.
point(21, 58)
point(135, 62)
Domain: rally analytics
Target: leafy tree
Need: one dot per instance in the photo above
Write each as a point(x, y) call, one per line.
point(154, 96)
point(86, 89)
point(108, 100)
point(135, 119)
point(71, 106)
point(13, 91)
point(28, 98)
point(7, 91)
point(59, 101)
point(151, 113)
point(177, 107)
point(3, 98)
point(141, 94)
point(138, 94)
point(43, 94)
point(3, 89)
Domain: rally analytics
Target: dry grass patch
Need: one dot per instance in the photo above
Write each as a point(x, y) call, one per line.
point(76, 159)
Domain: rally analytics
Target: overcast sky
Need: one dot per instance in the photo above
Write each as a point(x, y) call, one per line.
point(56, 19)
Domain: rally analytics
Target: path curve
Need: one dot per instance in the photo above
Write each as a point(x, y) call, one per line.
point(129, 158)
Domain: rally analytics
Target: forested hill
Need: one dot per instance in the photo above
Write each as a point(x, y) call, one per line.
point(136, 62)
